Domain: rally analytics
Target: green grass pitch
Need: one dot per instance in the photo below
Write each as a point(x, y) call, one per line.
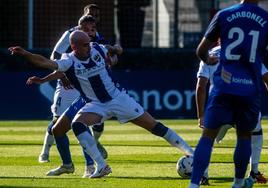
point(138, 159)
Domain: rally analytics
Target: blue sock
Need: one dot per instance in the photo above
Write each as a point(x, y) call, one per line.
point(201, 159)
point(63, 148)
point(241, 157)
point(89, 160)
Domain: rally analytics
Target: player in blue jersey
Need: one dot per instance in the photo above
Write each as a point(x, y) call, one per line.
point(205, 76)
point(242, 30)
point(87, 70)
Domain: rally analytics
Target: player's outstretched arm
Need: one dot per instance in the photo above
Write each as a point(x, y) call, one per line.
point(34, 59)
point(34, 80)
point(50, 77)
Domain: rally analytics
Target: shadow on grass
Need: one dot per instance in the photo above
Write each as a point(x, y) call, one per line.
point(144, 178)
point(222, 179)
point(39, 178)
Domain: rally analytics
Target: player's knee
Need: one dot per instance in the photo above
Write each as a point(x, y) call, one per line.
point(98, 128)
point(78, 128)
point(159, 129)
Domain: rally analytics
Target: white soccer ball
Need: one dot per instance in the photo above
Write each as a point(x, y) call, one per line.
point(185, 166)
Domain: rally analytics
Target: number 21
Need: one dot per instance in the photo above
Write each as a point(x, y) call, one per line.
point(239, 40)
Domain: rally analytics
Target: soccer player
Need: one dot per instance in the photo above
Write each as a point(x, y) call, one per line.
point(242, 30)
point(87, 70)
point(64, 95)
point(205, 75)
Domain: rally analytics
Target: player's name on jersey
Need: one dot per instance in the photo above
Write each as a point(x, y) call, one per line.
point(248, 15)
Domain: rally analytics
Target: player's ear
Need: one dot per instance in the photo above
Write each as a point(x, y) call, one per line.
point(73, 47)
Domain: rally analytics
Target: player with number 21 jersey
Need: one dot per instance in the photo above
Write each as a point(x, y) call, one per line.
point(243, 51)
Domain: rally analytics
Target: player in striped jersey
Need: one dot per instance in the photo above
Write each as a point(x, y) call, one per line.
point(66, 97)
point(87, 70)
point(205, 75)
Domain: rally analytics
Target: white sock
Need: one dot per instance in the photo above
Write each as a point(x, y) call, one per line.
point(192, 185)
point(176, 141)
point(89, 145)
point(256, 144)
point(48, 142)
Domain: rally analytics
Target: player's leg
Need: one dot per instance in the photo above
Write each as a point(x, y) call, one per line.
point(62, 141)
point(202, 155)
point(87, 141)
point(256, 144)
point(241, 158)
point(97, 132)
point(127, 109)
point(48, 142)
point(62, 126)
point(216, 106)
point(49, 139)
point(60, 104)
point(247, 113)
point(147, 122)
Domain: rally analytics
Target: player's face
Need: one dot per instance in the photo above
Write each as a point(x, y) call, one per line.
point(83, 47)
point(89, 28)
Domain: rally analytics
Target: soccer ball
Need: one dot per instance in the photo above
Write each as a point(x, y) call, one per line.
point(185, 166)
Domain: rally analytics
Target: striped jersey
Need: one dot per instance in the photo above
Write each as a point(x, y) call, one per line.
point(92, 77)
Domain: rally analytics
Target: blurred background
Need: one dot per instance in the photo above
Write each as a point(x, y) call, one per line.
point(158, 66)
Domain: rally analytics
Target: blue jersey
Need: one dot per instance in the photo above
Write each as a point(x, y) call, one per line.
point(243, 31)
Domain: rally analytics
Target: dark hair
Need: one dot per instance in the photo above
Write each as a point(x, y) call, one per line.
point(86, 18)
point(90, 6)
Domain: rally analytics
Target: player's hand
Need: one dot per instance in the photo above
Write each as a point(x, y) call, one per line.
point(66, 83)
point(201, 122)
point(118, 49)
point(34, 80)
point(111, 60)
point(17, 50)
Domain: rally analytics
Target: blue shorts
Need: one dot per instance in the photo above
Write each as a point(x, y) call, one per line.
point(241, 111)
point(74, 108)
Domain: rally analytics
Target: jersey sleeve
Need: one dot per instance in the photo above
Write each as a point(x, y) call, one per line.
point(213, 30)
point(64, 64)
point(63, 44)
point(203, 70)
point(264, 70)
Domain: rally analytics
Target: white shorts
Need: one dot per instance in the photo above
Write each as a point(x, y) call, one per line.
point(123, 107)
point(63, 99)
